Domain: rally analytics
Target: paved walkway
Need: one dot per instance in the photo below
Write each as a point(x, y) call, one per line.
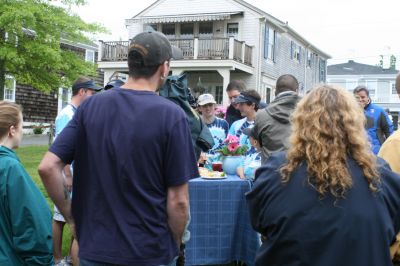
point(32, 140)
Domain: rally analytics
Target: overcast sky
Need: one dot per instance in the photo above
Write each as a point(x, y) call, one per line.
point(346, 29)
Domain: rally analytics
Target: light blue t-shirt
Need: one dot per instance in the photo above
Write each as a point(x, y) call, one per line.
point(250, 164)
point(219, 130)
point(237, 128)
point(63, 118)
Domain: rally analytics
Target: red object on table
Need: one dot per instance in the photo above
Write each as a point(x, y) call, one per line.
point(217, 166)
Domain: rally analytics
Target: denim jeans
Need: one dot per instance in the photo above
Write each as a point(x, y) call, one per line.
point(94, 263)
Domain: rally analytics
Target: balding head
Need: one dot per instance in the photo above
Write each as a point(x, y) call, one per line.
point(398, 84)
point(286, 83)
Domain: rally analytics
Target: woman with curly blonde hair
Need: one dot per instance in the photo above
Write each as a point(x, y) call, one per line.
point(327, 200)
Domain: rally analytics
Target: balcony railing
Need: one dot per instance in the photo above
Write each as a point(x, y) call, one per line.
point(192, 49)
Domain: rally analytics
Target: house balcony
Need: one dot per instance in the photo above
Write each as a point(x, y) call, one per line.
point(192, 49)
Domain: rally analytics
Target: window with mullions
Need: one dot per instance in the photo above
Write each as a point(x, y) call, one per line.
point(295, 51)
point(232, 29)
point(151, 27)
point(9, 89)
point(218, 94)
point(187, 30)
point(310, 57)
point(169, 30)
point(393, 86)
point(269, 43)
point(205, 29)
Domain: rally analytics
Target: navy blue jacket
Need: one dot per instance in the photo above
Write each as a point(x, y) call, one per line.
point(379, 126)
point(304, 229)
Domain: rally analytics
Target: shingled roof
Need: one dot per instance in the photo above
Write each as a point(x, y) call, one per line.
point(354, 68)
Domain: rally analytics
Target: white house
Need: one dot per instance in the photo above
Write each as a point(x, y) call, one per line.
point(222, 41)
point(379, 81)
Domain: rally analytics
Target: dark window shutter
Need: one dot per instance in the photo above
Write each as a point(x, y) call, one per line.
point(291, 49)
point(275, 45)
point(300, 51)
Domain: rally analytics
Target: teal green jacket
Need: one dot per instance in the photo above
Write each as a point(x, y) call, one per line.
point(25, 217)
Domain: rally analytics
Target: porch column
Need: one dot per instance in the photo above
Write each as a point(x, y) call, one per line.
point(100, 52)
point(196, 48)
point(226, 77)
point(243, 51)
point(231, 47)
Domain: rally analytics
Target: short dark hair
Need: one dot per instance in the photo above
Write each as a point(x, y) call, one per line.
point(286, 82)
point(81, 79)
point(236, 85)
point(361, 88)
point(136, 66)
point(255, 95)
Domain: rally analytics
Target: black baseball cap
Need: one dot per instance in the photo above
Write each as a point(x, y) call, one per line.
point(90, 85)
point(245, 99)
point(114, 83)
point(154, 48)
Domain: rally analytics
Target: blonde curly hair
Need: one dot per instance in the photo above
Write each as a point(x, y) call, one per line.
point(328, 128)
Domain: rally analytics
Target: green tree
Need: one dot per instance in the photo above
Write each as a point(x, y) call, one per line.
point(30, 35)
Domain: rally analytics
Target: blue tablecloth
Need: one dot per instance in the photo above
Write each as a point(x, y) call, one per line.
point(220, 225)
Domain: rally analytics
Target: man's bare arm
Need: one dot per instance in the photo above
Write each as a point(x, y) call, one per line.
point(50, 171)
point(178, 210)
point(68, 176)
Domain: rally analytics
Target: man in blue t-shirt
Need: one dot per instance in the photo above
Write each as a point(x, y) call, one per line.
point(133, 157)
point(82, 88)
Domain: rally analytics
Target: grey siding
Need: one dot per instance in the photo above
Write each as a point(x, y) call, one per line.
point(284, 64)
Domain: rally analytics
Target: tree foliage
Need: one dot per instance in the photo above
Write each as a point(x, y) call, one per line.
point(31, 32)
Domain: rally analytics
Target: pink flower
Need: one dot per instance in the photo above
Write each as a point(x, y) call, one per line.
point(233, 146)
point(232, 139)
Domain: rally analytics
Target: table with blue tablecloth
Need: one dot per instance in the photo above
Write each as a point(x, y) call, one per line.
point(220, 225)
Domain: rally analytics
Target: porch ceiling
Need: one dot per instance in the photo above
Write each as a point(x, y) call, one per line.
point(188, 65)
point(183, 18)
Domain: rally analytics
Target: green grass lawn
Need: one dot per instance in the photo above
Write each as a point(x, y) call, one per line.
point(30, 157)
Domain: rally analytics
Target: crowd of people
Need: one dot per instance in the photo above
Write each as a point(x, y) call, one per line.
point(119, 168)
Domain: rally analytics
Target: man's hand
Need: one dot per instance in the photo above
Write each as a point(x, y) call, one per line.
point(178, 210)
point(50, 171)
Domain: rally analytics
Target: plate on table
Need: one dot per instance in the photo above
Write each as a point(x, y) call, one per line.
point(213, 177)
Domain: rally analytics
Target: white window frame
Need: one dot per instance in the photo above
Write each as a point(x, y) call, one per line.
point(14, 86)
point(232, 25)
point(310, 57)
point(373, 90)
point(219, 94)
point(92, 56)
point(393, 90)
point(295, 51)
point(271, 44)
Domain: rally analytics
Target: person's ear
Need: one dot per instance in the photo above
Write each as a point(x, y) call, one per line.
point(11, 131)
point(81, 91)
point(164, 69)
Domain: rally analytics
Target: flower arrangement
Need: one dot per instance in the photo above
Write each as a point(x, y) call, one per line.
point(232, 147)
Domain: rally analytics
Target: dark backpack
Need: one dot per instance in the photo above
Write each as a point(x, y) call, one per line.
point(176, 89)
